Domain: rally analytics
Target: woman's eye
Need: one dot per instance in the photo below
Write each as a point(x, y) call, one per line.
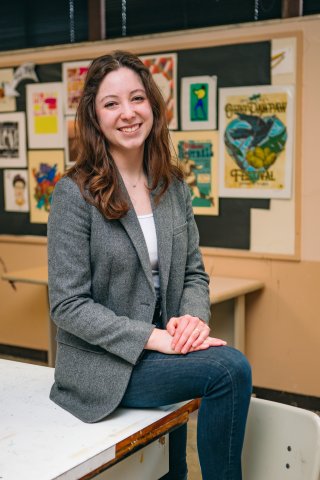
point(138, 98)
point(110, 105)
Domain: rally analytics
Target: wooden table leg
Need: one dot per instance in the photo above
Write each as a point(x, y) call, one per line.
point(239, 323)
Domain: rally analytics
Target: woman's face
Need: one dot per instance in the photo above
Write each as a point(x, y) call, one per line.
point(124, 111)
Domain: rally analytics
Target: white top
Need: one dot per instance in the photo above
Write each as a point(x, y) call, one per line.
point(149, 231)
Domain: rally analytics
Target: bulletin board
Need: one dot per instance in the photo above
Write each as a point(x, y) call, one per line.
point(237, 63)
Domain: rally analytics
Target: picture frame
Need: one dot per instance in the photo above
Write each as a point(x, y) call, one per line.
point(197, 152)
point(73, 75)
point(13, 140)
point(199, 103)
point(256, 141)
point(163, 68)
point(70, 139)
point(45, 168)
point(7, 104)
point(45, 115)
point(16, 190)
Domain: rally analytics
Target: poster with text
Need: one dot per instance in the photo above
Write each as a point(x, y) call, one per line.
point(13, 140)
point(7, 104)
point(164, 71)
point(197, 152)
point(74, 75)
point(45, 115)
point(16, 196)
point(198, 103)
point(256, 141)
point(45, 170)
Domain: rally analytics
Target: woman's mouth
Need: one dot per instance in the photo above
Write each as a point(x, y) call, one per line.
point(130, 129)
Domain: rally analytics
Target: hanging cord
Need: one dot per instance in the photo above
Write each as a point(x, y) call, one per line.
point(71, 21)
point(256, 10)
point(124, 17)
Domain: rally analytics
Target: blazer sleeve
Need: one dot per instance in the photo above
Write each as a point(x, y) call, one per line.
point(195, 297)
point(72, 307)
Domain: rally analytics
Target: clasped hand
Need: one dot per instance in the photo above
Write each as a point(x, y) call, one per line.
point(190, 334)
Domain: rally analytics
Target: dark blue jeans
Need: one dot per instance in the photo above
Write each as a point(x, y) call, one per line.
point(221, 376)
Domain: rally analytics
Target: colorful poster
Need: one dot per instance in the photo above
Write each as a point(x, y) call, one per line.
point(74, 75)
point(45, 170)
point(13, 140)
point(45, 115)
point(256, 141)
point(16, 197)
point(197, 152)
point(70, 139)
point(198, 103)
point(164, 71)
point(7, 104)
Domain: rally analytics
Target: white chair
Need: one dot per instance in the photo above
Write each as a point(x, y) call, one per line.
point(281, 443)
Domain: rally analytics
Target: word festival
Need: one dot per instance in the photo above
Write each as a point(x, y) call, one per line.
point(240, 176)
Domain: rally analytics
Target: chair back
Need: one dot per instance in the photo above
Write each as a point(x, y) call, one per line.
point(281, 443)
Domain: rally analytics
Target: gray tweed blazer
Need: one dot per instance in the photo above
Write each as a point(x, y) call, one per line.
point(102, 296)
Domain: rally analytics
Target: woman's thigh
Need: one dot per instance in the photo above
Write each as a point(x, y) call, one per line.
point(160, 379)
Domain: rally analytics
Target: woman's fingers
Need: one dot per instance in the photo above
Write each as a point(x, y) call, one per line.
point(215, 342)
point(204, 331)
point(186, 333)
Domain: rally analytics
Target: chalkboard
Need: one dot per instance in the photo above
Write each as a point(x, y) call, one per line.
point(235, 65)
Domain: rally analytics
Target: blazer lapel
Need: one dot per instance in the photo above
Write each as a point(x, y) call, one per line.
point(162, 213)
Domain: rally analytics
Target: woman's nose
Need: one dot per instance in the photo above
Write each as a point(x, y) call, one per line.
point(127, 111)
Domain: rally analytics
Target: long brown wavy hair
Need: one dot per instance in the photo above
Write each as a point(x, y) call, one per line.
point(95, 171)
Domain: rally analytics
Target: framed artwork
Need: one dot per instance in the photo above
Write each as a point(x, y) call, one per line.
point(198, 103)
point(45, 115)
point(256, 141)
point(7, 104)
point(45, 169)
point(197, 152)
point(13, 140)
point(70, 139)
point(74, 75)
point(164, 71)
point(16, 197)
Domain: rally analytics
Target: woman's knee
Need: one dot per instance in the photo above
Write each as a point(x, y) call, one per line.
point(235, 365)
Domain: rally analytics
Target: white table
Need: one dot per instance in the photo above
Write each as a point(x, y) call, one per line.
point(227, 291)
point(41, 441)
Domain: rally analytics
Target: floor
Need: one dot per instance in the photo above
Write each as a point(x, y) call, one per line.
point(192, 455)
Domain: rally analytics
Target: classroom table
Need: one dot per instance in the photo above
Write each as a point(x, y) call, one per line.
point(228, 292)
point(41, 441)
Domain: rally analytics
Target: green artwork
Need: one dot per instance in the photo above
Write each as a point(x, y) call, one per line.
point(199, 102)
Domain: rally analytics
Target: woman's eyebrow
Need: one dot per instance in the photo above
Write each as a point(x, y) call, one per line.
point(113, 96)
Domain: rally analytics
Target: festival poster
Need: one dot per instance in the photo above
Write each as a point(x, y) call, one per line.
point(45, 115)
point(74, 75)
point(7, 104)
point(70, 140)
point(198, 103)
point(256, 141)
point(45, 169)
point(164, 71)
point(13, 140)
point(197, 151)
point(16, 198)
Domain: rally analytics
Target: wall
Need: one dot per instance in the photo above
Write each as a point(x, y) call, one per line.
point(283, 328)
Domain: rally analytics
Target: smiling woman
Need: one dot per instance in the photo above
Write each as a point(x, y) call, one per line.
point(125, 118)
point(127, 285)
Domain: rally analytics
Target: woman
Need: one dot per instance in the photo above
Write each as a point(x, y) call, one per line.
point(127, 286)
